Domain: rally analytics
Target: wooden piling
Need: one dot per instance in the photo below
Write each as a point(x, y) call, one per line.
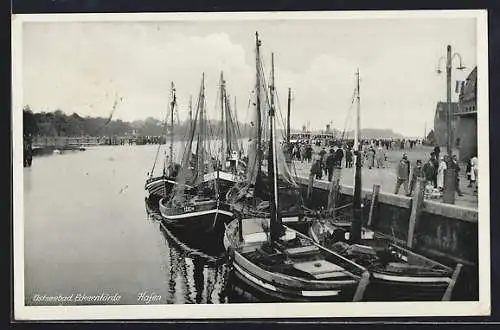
point(363, 284)
point(310, 186)
point(449, 290)
point(374, 201)
point(416, 209)
point(333, 191)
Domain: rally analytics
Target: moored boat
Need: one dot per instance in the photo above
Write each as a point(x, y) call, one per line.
point(279, 262)
point(397, 273)
point(194, 205)
point(160, 186)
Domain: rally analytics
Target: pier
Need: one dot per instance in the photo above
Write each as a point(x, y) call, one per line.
point(443, 232)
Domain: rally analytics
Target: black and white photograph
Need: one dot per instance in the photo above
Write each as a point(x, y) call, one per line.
point(250, 165)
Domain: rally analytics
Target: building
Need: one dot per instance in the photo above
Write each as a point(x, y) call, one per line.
point(440, 128)
point(466, 135)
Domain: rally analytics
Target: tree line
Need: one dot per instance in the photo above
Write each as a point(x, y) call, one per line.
point(57, 123)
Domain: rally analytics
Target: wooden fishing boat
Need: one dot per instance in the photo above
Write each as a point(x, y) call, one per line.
point(280, 263)
point(195, 205)
point(251, 197)
point(397, 273)
point(160, 186)
point(229, 170)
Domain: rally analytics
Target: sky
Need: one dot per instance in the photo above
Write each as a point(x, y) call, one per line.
point(81, 66)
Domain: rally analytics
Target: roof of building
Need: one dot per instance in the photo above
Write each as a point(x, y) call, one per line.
point(469, 89)
point(441, 106)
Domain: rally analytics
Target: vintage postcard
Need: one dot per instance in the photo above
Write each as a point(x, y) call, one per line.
point(250, 165)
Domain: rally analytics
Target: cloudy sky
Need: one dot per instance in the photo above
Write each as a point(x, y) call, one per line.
point(79, 66)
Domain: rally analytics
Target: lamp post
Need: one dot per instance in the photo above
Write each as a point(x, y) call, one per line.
point(450, 181)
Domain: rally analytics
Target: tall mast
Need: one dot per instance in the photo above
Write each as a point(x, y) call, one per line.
point(257, 93)
point(276, 226)
point(190, 110)
point(355, 234)
point(223, 124)
point(288, 117)
point(201, 135)
point(172, 107)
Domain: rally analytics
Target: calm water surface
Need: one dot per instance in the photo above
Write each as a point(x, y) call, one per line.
point(87, 232)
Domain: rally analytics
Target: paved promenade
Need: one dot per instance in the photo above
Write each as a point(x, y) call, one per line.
point(386, 177)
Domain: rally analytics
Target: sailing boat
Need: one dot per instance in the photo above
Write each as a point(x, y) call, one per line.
point(251, 197)
point(397, 273)
point(281, 263)
point(227, 171)
point(160, 186)
point(194, 205)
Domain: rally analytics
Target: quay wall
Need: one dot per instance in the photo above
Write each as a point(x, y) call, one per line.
point(445, 233)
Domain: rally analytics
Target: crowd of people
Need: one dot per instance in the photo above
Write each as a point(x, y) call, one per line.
point(433, 172)
point(373, 154)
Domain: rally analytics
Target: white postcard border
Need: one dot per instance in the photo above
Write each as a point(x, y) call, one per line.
point(261, 310)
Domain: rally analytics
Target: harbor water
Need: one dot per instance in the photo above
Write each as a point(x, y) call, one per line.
point(87, 235)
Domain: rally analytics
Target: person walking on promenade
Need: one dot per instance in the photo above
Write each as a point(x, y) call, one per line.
point(456, 167)
point(309, 151)
point(330, 164)
point(370, 155)
point(323, 155)
point(380, 156)
point(474, 173)
point(429, 171)
point(440, 172)
point(402, 175)
point(339, 155)
point(435, 162)
point(316, 169)
point(295, 151)
point(418, 172)
point(437, 151)
point(468, 172)
point(302, 152)
point(348, 157)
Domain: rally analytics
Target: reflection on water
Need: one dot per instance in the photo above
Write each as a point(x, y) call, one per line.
point(86, 232)
point(194, 277)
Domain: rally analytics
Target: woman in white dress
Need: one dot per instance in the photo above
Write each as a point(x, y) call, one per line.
point(474, 170)
point(440, 174)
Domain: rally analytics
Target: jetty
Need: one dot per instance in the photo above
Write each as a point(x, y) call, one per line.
point(443, 232)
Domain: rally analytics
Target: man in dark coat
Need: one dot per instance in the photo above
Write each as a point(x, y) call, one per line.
point(339, 155)
point(418, 172)
point(429, 171)
point(403, 173)
point(348, 157)
point(316, 169)
point(330, 164)
point(435, 161)
point(456, 167)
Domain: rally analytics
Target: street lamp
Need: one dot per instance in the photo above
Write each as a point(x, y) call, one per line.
point(450, 181)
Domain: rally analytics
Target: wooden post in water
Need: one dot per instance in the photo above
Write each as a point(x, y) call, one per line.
point(363, 284)
point(449, 290)
point(310, 186)
point(416, 208)
point(374, 201)
point(334, 187)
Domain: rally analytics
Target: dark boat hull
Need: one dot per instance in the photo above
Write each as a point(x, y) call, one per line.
point(386, 285)
point(280, 283)
point(263, 294)
point(206, 218)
